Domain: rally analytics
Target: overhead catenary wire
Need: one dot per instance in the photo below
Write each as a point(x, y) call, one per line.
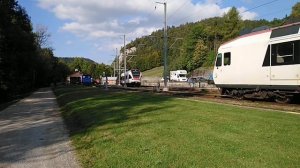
point(147, 16)
point(181, 6)
point(270, 13)
point(258, 6)
point(267, 3)
point(189, 16)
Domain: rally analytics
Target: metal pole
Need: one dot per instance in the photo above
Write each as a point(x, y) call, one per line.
point(114, 68)
point(115, 62)
point(165, 47)
point(119, 70)
point(124, 60)
point(165, 50)
point(124, 52)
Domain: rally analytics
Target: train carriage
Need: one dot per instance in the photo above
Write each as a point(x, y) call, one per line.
point(131, 78)
point(263, 64)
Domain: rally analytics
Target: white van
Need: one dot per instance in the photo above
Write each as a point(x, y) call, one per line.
point(179, 75)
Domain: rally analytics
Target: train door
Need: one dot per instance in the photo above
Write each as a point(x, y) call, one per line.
point(218, 69)
point(227, 77)
point(285, 60)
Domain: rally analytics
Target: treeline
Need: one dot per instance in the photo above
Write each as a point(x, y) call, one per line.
point(194, 45)
point(25, 62)
point(87, 66)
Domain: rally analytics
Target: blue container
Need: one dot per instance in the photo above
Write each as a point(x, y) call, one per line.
point(87, 80)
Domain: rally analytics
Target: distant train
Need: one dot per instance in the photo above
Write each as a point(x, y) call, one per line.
point(131, 78)
point(263, 64)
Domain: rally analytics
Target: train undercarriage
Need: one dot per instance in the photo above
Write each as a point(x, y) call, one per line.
point(280, 96)
point(133, 84)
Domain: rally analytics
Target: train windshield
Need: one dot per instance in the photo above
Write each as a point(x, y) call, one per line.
point(219, 60)
point(136, 73)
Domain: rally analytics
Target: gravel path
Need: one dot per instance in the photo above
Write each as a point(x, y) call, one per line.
point(32, 134)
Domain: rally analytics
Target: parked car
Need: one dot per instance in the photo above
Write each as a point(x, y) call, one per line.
point(210, 79)
point(201, 79)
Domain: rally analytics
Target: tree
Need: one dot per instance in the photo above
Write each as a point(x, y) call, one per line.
point(295, 15)
point(200, 54)
point(42, 36)
point(190, 43)
point(44, 67)
point(60, 71)
point(17, 48)
point(24, 63)
point(232, 24)
point(296, 10)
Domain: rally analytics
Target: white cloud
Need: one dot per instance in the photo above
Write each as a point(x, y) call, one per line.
point(69, 42)
point(136, 20)
point(247, 15)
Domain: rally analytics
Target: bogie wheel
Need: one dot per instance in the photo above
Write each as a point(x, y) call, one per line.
point(283, 99)
point(239, 96)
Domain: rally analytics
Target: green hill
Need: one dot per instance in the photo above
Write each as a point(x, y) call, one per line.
point(155, 72)
point(86, 66)
point(69, 60)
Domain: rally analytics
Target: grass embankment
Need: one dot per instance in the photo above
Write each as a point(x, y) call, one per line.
point(155, 72)
point(123, 129)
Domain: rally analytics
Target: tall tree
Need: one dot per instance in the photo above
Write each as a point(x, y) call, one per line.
point(24, 63)
point(190, 43)
point(296, 11)
point(17, 49)
point(42, 36)
point(200, 54)
point(232, 24)
point(295, 14)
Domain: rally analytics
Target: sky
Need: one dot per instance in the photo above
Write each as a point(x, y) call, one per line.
point(94, 29)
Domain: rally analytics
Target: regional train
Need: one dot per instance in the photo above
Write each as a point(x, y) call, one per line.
point(263, 64)
point(131, 78)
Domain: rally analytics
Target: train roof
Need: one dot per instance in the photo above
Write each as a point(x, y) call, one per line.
point(275, 32)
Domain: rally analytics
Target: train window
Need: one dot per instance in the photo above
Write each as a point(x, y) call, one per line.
point(267, 57)
point(135, 73)
point(219, 60)
point(227, 58)
point(285, 53)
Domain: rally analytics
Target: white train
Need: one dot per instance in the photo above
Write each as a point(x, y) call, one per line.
point(263, 64)
point(131, 78)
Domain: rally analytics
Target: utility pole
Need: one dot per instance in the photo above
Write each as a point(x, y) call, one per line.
point(165, 47)
point(116, 62)
point(124, 55)
point(124, 52)
point(114, 68)
point(119, 70)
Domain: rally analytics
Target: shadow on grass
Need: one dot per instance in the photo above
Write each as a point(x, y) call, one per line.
point(85, 108)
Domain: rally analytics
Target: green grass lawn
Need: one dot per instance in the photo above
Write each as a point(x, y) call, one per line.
point(128, 129)
point(155, 72)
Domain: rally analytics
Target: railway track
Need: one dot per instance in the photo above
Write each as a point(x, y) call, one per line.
point(212, 95)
